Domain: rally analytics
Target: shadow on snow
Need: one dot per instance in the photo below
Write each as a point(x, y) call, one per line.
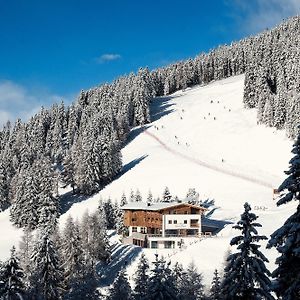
point(68, 199)
point(161, 107)
point(122, 255)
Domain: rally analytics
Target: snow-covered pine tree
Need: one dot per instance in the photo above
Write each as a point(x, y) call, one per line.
point(110, 214)
point(132, 196)
point(161, 282)
point(194, 289)
point(72, 252)
point(84, 231)
point(98, 240)
point(141, 279)
point(121, 288)
point(215, 290)
point(67, 174)
point(120, 226)
point(25, 197)
point(178, 274)
point(48, 205)
point(150, 197)
point(34, 203)
point(286, 239)
point(123, 200)
point(192, 195)
point(166, 195)
point(24, 253)
point(246, 276)
point(47, 276)
point(138, 196)
point(4, 188)
point(11, 279)
point(85, 288)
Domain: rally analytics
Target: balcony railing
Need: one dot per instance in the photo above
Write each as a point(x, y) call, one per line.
point(202, 234)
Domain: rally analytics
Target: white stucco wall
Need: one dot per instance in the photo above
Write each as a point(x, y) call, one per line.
point(180, 221)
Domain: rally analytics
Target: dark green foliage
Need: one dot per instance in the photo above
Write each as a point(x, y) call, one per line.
point(193, 288)
point(46, 281)
point(215, 290)
point(162, 282)
point(121, 288)
point(141, 289)
point(286, 239)
point(246, 276)
point(84, 287)
point(11, 279)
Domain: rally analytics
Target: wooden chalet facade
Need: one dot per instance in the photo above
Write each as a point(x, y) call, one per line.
point(162, 225)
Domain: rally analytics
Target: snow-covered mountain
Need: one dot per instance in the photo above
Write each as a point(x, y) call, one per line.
point(200, 138)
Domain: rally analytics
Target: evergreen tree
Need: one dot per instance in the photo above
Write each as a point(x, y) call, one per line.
point(162, 283)
point(110, 214)
point(138, 196)
point(4, 188)
point(150, 197)
point(286, 239)
point(34, 203)
point(84, 287)
point(98, 240)
point(192, 196)
point(11, 279)
point(215, 290)
point(193, 284)
point(25, 250)
point(178, 274)
point(67, 174)
point(47, 276)
point(166, 195)
point(132, 196)
point(84, 230)
point(72, 252)
point(121, 288)
point(120, 226)
point(123, 200)
point(246, 276)
point(141, 280)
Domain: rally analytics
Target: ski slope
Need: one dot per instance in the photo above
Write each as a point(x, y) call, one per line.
point(203, 138)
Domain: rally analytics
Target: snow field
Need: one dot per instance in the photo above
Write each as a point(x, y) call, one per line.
point(206, 132)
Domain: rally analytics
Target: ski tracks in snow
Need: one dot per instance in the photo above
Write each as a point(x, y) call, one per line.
point(208, 165)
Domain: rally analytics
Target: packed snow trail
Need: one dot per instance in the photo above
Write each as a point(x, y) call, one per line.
point(209, 166)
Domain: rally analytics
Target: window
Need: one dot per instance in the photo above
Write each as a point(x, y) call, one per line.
point(133, 219)
point(185, 221)
point(153, 244)
point(175, 221)
point(134, 229)
point(169, 244)
point(185, 212)
point(143, 230)
point(170, 222)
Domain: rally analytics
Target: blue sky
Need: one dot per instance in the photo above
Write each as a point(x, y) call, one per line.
point(50, 50)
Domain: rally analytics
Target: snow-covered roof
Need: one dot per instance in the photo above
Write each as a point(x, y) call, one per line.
point(155, 206)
